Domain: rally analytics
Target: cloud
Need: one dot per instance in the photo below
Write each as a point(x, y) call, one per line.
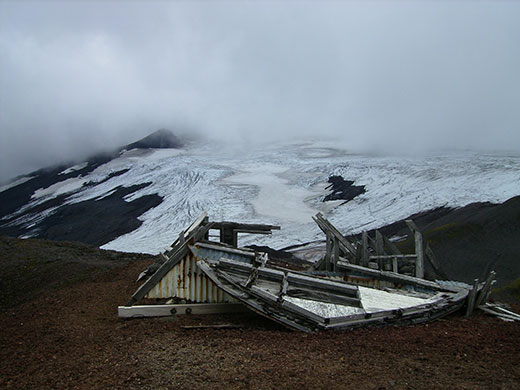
point(77, 76)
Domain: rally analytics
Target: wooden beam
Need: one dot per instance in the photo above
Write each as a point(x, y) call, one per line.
point(216, 326)
point(410, 257)
point(396, 278)
point(328, 227)
point(138, 311)
point(434, 263)
point(244, 226)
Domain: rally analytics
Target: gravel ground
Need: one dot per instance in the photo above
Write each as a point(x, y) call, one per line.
point(70, 338)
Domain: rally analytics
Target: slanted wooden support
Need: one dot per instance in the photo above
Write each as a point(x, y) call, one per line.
point(347, 248)
point(434, 263)
point(471, 298)
point(390, 246)
point(484, 293)
point(419, 248)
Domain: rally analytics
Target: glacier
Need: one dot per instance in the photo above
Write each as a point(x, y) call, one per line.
point(284, 184)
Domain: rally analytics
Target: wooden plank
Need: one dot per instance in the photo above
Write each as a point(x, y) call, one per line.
point(502, 310)
point(396, 278)
point(250, 231)
point(171, 310)
point(299, 280)
point(325, 297)
point(491, 309)
point(471, 298)
point(386, 257)
point(215, 326)
point(245, 226)
point(196, 224)
point(243, 252)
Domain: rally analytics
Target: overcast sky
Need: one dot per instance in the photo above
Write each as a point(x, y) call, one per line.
point(76, 76)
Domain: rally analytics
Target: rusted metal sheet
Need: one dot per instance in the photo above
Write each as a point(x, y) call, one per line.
point(186, 281)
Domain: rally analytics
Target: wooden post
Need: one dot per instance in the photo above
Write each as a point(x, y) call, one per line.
point(484, 293)
point(359, 254)
point(419, 249)
point(364, 259)
point(328, 253)
point(380, 249)
point(394, 265)
point(471, 298)
point(379, 244)
point(336, 253)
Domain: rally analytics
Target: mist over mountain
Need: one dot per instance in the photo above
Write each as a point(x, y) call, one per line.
point(387, 76)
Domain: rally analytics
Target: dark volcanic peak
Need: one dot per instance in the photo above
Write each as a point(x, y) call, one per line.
point(160, 139)
point(72, 221)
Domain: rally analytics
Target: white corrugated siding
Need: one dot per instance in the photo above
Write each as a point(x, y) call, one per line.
point(186, 281)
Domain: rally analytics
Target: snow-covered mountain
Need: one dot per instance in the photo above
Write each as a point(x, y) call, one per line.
point(140, 198)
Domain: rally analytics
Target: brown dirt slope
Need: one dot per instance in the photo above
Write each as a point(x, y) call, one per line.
point(69, 337)
point(31, 267)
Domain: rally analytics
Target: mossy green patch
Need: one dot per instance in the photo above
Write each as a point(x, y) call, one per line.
point(511, 292)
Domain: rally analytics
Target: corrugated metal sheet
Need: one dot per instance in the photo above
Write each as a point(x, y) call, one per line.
point(186, 281)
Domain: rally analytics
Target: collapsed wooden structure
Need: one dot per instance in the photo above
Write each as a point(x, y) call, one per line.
point(357, 283)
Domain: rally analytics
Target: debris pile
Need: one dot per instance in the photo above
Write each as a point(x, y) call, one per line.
point(356, 283)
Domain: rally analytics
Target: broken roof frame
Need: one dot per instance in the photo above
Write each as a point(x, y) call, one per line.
point(280, 294)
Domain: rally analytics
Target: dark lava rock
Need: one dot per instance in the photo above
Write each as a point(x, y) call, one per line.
point(98, 222)
point(343, 189)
